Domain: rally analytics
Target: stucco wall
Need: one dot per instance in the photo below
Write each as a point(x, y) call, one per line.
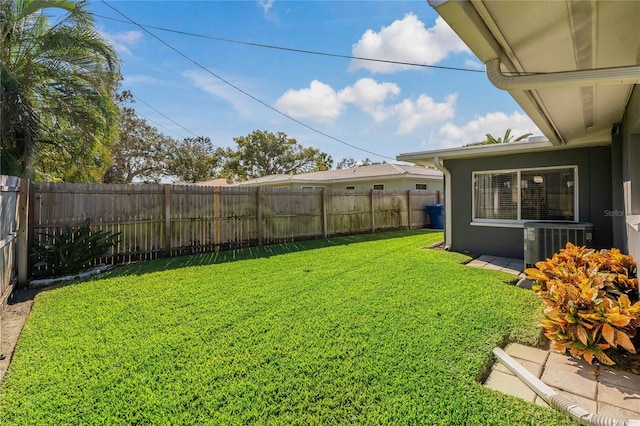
point(594, 198)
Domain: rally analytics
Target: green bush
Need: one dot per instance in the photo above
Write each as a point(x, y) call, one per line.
point(73, 250)
point(591, 301)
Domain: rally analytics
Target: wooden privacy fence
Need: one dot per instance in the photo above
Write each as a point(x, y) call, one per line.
point(167, 220)
point(11, 201)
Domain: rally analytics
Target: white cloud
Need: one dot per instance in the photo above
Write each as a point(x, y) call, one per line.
point(495, 123)
point(473, 63)
point(266, 5)
point(406, 40)
point(218, 89)
point(122, 41)
point(370, 95)
point(320, 102)
point(269, 14)
point(424, 110)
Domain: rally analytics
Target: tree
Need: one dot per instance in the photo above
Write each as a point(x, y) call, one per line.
point(141, 152)
point(506, 139)
point(56, 85)
point(194, 160)
point(350, 163)
point(263, 153)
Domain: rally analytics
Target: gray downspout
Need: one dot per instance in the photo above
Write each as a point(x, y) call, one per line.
point(437, 161)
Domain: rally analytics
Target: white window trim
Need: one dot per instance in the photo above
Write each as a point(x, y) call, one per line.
point(519, 223)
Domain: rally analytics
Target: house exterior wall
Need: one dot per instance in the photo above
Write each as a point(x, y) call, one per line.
point(594, 198)
point(629, 163)
point(389, 184)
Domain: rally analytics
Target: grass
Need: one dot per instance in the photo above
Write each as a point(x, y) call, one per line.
point(357, 330)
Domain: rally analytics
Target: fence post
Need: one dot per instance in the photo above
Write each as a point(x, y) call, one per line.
point(409, 206)
point(217, 239)
point(259, 216)
point(373, 213)
point(438, 198)
point(23, 233)
point(167, 220)
point(324, 213)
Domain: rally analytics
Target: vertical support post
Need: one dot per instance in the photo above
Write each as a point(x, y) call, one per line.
point(324, 213)
point(439, 197)
point(167, 220)
point(259, 216)
point(217, 238)
point(23, 232)
point(373, 213)
point(409, 207)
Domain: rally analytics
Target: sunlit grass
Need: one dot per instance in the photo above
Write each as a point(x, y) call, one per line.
point(357, 330)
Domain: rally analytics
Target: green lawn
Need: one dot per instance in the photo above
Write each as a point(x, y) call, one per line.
point(370, 329)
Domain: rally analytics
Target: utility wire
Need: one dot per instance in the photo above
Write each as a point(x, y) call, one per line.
point(196, 63)
point(290, 49)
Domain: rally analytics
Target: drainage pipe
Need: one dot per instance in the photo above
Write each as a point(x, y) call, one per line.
point(562, 79)
point(556, 400)
point(437, 161)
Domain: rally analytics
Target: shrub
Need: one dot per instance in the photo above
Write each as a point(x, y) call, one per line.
point(591, 301)
point(73, 250)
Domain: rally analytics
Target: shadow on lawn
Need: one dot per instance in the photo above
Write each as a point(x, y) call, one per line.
point(265, 251)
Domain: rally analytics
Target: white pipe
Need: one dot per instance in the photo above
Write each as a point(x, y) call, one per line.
point(437, 161)
point(556, 400)
point(618, 75)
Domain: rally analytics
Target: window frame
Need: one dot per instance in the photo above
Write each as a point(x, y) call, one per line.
point(422, 189)
point(378, 184)
point(518, 223)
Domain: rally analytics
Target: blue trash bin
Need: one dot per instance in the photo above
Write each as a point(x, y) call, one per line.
point(436, 215)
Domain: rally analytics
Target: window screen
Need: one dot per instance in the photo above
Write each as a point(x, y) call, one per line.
point(380, 186)
point(496, 196)
point(421, 186)
point(544, 194)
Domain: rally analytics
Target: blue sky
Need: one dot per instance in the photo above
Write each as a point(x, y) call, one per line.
point(382, 108)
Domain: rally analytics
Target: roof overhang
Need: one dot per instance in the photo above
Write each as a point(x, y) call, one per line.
point(588, 52)
point(432, 158)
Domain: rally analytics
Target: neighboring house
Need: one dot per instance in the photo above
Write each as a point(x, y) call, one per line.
point(573, 68)
point(389, 177)
point(216, 182)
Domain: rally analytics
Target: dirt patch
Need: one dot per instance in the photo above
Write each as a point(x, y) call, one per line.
point(11, 323)
point(437, 246)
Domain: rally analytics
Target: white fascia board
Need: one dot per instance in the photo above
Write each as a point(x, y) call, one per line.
point(426, 157)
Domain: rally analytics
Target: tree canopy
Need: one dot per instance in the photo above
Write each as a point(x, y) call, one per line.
point(263, 153)
point(140, 152)
point(194, 160)
point(56, 89)
point(508, 138)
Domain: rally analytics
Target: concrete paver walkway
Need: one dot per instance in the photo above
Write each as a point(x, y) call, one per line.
point(595, 388)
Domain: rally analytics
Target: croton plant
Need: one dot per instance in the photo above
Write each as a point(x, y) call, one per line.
point(591, 301)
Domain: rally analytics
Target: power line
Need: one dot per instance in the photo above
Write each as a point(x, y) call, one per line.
point(290, 49)
point(196, 63)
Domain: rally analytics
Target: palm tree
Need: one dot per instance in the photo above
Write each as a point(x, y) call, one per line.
point(56, 85)
point(506, 139)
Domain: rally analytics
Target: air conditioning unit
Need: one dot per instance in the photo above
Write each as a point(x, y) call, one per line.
point(543, 239)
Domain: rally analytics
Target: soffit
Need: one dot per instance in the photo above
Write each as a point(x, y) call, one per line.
point(553, 36)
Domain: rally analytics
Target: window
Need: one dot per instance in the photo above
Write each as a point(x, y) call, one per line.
point(421, 186)
point(378, 186)
point(528, 194)
point(349, 187)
